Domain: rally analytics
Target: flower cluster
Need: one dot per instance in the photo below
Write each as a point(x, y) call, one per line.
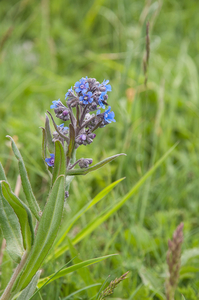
point(82, 100)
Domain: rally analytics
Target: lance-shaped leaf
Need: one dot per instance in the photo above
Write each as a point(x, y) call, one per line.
point(6, 268)
point(32, 203)
point(49, 142)
point(43, 143)
point(11, 229)
point(29, 290)
point(44, 149)
point(46, 233)
point(60, 162)
point(93, 168)
point(72, 142)
point(23, 214)
point(73, 268)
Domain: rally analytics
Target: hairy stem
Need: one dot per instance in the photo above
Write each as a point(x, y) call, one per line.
point(6, 293)
point(71, 167)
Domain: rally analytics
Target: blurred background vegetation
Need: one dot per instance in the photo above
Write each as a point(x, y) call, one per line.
point(48, 45)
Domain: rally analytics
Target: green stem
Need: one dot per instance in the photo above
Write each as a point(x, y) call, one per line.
point(6, 293)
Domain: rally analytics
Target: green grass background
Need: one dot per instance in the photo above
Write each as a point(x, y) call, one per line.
point(45, 47)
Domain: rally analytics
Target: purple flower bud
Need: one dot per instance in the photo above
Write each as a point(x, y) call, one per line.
point(85, 162)
point(66, 194)
point(93, 106)
point(102, 89)
point(83, 137)
point(92, 135)
point(65, 113)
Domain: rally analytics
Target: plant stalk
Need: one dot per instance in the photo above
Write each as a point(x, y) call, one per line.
point(6, 293)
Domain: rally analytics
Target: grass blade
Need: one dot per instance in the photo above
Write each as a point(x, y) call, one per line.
point(74, 268)
point(84, 273)
point(81, 290)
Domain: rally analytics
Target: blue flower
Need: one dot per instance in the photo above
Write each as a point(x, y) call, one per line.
point(50, 161)
point(107, 86)
point(70, 91)
point(86, 98)
point(109, 115)
point(101, 99)
point(55, 103)
point(62, 126)
point(81, 86)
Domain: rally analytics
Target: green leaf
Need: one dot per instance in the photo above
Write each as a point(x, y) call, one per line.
point(49, 142)
point(72, 142)
point(188, 255)
point(11, 229)
point(46, 233)
point(81, 290)
point(23, 214)
point(29, 290)
point(93, 168)
point(60, 163)
point(66, 227)
point(74, 268)
point(110, 211)
point(2, 173)
point(152, 281)
point(6, 269)
point(43, 143)
point(32, 203)
point(10, 226)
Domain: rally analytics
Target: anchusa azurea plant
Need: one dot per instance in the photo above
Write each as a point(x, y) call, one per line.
point(86, 111)
point(30, 232)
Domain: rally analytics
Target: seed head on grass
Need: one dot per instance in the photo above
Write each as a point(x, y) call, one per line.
point(173, 261)
point(110, 288)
